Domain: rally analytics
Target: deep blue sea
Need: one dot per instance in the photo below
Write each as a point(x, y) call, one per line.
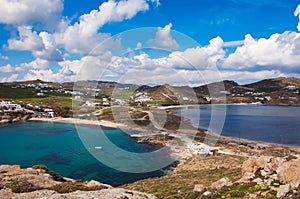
point(59, 147)
point(272, 124)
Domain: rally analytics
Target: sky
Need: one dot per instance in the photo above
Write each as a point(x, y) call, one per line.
point(149, 41)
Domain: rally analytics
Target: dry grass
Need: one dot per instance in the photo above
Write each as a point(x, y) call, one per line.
point(197, 170)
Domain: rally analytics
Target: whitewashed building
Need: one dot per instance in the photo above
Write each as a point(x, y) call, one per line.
point(201, 148)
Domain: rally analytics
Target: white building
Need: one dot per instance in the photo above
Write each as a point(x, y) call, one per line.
point(201, 148)
point(49, 112)
point(40, 94)
point(9, 107)
point(142, 97)
point(90, 103)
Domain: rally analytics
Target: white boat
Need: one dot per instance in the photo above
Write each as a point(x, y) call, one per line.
point(98, 147)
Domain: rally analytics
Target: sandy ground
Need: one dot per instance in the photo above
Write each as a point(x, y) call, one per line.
point(104, 123)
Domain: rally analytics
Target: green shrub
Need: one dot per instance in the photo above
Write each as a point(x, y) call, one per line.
point(67, 187)
point(237, 194)
point(21, 186)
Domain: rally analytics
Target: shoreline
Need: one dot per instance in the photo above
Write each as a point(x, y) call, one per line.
point(111, 124)
point(220, 104)
point(69, 120)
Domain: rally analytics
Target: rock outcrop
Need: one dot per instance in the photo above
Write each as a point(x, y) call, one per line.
point(221, 183)
point(199, 188)
point(289, 173)
point(252, 165)
point(40, 182)
point(280, 174)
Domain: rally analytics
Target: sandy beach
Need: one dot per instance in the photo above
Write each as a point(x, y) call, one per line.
point(104, 123)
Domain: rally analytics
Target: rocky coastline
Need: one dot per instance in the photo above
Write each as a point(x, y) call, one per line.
point(11, 119)
point(40, 182)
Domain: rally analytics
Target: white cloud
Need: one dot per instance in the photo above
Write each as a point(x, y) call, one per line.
point(297, 13)
point(163, 38)
point(28, 40)
point(83, 36)
point(36, 64)
point(249, 77)
point(28, 12)
point(46, 75)
point(86, 68)
point(7, 69)
point(183, 67)
point(41, 45)
point(11, 78)
point(3, 57)
point(10, 69)
point(280, 51)
point(50, 51)
point(138, 46)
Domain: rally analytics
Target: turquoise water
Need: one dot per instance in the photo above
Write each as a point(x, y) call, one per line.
point(273, 124)
point(59, 147)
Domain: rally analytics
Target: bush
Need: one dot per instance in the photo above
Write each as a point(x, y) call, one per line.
point(237, 194)
point(290, 157)
point(67, 187)
point(21, 186)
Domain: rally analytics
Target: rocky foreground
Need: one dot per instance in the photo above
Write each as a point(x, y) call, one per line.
point(200, 177)
point(228, 176)
point(40, 182)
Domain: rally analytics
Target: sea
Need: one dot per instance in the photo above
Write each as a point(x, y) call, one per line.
point(271, 124)
point(62, 149)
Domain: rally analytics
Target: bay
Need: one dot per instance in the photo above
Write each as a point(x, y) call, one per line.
point(58, 146)
point(271, 124)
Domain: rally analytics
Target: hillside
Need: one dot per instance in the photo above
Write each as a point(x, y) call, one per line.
point(277, 91)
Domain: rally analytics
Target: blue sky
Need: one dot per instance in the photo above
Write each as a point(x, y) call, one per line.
point(244, 40)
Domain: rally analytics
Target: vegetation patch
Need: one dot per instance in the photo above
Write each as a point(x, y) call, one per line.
point(67, 187)
point(21, 186)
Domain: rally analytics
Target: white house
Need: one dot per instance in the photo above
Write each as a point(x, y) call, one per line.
point(91, 104)
point(49, 112)
point(40, 94)
point(142, 97)
point(201, 148)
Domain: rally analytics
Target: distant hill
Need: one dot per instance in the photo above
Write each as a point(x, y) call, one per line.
point(216, 86)
point(276, 91)
point(271, 85)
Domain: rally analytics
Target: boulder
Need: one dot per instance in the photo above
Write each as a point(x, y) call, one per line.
point(94, 183)
point(247, 176)
point(273, 165)
point(283, 190)
point(289, 173)
point(207, 193)
point(199, 188)
point(221, 183)
point(258, 181)
point(252, 165)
